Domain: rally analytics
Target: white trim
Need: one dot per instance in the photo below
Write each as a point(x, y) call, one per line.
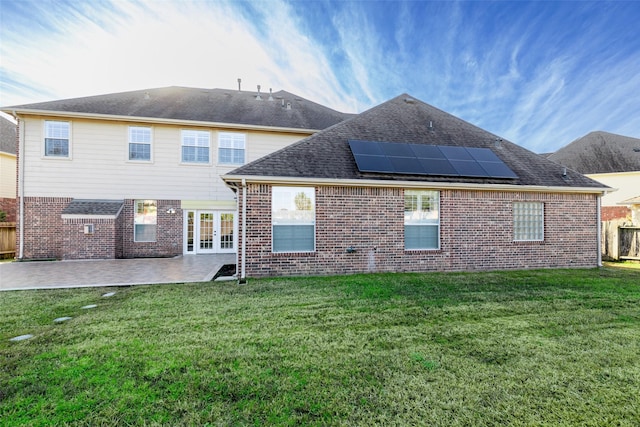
point(278, 180)
point(599, 233)
point(89, 216)
point(142, 119)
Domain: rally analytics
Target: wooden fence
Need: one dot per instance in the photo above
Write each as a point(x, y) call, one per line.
point(7, 239)
point(620, 241)
point(629, 243)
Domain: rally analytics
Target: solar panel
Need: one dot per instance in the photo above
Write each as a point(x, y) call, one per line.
point(422, 159)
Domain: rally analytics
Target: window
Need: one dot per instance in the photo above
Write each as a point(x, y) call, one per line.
point(139, 143)
point(145, 221)
point(195, 146)
point(293, 217)
point(231, 148)
point(421, 219)
point(528, 221)
point(56, 139)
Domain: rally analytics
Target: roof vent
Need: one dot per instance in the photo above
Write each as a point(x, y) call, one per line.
point(288, 106)
point(146, 95)
point(498, 142)
point(430, 125)
point(564, 171)
point(239, 82)
point(258, 97)
point(270, 94)
point(637, 149)
point(409, 100)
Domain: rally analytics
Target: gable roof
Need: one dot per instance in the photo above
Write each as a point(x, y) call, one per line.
point(200, 105)
point(600, 152)
point(8, 136)
point(403, 119)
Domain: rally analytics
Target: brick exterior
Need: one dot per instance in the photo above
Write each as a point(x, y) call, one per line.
point(9, 206)
point(102, 244)
point(48, 235)
point(611, 213)
point(476, 232)
point(169, 232)
point(43, 227)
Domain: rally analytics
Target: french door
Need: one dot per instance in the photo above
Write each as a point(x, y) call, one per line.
point(209, 232)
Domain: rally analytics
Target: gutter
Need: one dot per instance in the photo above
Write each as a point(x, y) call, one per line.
point(280, 180)
point(243, 270)
point(599, 233)
point(160, 120)
point(21, 157)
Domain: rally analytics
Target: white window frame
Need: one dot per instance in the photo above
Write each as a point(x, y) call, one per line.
point(142, 219)
point(198, 142)
point(235, 143)
point(284, 212)
point(528, 221)
point(424, 218)
point(133, 138)
point(49, 133)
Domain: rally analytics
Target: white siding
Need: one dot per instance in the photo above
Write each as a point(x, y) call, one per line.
point(627, 184)
point(99, 165)
point(7, 176)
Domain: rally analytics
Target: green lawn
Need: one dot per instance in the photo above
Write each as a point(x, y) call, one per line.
point(552, 347)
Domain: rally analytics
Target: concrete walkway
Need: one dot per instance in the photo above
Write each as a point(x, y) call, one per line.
point(114, 272)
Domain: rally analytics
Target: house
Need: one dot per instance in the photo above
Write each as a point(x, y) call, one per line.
point(405, 186)
point(137, 174)
point(8, 168)
point(613, 160)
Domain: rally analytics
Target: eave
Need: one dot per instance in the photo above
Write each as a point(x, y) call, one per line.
point(233, 181)
point(156, 120)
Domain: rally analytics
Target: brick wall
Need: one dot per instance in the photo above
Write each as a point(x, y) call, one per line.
point(47, 235)
point(43, 227)
point(102, 244)
point(610, 213)
point(476, 231)
point(169, 232)
point(9, 207)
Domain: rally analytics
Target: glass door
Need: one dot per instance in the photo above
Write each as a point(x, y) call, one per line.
point(209, 232)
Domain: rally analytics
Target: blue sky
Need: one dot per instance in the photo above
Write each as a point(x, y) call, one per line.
point(540, 74)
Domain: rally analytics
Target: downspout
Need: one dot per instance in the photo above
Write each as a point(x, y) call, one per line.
point(243, 270)
point(21, 155)
point(599, 221)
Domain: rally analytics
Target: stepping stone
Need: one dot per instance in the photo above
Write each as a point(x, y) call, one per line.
point(21, 337)
point(89, 306)
point(109, 294)
point(62, 319)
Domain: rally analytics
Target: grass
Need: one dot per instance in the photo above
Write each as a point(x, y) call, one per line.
point(549, 347)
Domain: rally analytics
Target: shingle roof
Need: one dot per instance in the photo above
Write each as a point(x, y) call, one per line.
point(600, 152)
point(203, 105)
point(406, 120)
point(7, 136)
point(93, 207)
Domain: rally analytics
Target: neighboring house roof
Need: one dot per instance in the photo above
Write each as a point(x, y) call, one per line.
point(600, 152)
point(8, 132)
point(93, 207)
point(631, 201)
point(327, 155)
point(280, 109)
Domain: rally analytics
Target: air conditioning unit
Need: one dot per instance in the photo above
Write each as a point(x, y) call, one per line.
point(88, 229)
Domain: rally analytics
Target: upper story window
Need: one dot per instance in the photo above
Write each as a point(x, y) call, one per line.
point(231, 148)
point(56, 138)
point(195, 146)
point(528, 221)
point(139, 143)
point(421, 219)
point(293, 216)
